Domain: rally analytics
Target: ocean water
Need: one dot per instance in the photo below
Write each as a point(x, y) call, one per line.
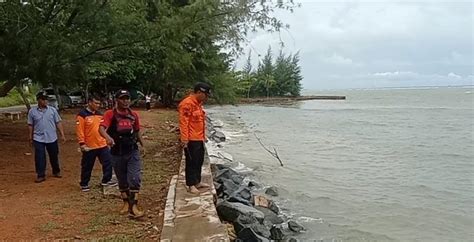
point(382, 165)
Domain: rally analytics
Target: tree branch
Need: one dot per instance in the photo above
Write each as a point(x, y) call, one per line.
point(274, 153)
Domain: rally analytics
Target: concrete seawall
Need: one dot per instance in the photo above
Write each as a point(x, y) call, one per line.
point(189, 217)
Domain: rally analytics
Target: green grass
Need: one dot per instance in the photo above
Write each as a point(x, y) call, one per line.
point(13, 98)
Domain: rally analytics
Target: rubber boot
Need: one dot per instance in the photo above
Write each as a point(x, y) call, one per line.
point(125, 199)
point(133, 210)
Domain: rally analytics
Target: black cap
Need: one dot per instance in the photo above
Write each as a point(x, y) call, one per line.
point(203, 87)
point(122, 93)
point(42, 95)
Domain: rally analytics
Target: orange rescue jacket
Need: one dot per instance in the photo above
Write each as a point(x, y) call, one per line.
point(191, 119)
point(87, 129)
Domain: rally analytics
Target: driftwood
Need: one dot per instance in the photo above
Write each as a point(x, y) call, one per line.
point(274, 153)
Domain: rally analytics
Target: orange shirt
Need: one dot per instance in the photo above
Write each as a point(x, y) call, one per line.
point(191, 119)
point(87, 129)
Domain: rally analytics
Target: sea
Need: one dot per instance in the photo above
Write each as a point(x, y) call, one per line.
point(381, 165)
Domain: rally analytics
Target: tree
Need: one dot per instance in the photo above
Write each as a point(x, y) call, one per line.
point(155, 45)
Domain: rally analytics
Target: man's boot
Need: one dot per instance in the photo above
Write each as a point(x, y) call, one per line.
point(133, 211)
point(125, 199)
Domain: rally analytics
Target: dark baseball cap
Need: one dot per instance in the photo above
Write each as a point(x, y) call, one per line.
point(203, 87)
point(122, 93)
point(42, 95)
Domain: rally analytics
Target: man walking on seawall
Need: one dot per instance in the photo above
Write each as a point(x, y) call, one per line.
point(192, 129)
point(43, 121)
point(92, 144)
point(121, 128)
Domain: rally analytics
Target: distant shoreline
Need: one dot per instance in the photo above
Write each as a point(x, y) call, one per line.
point(288, 99)
point(388, 88)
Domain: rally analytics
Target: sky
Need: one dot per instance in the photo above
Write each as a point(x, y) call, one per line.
point(362, 44)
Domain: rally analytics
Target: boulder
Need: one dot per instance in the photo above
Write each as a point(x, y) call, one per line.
point(239, 200)
point(230, 211)
point(270, 215)
point(261, 201)
point(249, 235)
point(253, 184)
point(272, 191)
point(229, 173)
point(295, 227)
point(246, 221)
point(218, 136)
point(242, 195)
point(276, 232)
point(227, 187)
point(272, 206)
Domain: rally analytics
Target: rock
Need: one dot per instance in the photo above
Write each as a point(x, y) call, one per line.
point(229, 174)
point(239, 200)
point(230, 211)
point(111, 191)
point(276, 232)
point(218, 136)
point(221, 166)
point(227, 187)
point(295, 227)
point(217, 186)
point(272, 206)
point(270, 215)
point(272, 191)
point(244, 193)
point(249, 235)
point(253, 184)
point(238, 179)
point(246, 221)
point(261, 201)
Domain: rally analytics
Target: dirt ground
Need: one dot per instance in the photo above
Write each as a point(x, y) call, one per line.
point(58, 209)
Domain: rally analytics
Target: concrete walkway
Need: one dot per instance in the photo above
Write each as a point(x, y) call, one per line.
point(189, 217)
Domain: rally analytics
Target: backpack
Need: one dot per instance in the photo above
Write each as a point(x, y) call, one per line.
point(122, 131)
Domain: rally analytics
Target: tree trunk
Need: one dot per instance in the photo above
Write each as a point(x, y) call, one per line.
point(6, 87)
point(19, 88)
point(58, 97)
point(168, 95)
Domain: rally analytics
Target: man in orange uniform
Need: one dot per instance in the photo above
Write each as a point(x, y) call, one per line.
point(192, 128)
point(92, 144)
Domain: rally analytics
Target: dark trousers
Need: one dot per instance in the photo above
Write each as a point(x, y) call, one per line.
point(148, 106)
point(40, 157)
point(194, 153)
point(88, 161)
point(128, 169)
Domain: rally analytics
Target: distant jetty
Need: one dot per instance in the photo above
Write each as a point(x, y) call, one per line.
point(288, 99)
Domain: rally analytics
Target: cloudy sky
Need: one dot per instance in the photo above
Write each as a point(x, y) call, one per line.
point(362, 44)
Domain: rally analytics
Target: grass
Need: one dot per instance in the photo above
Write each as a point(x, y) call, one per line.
point(48, 227)
point(13, 97)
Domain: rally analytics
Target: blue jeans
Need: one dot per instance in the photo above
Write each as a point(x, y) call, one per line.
point(88, 161)
point(40, 157)
point(128, 169)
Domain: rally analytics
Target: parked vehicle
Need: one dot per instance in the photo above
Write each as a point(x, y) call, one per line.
point(77, 97)
point(53, 102)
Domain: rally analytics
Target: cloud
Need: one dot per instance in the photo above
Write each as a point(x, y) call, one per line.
point(337, 59)
point(454, 75)
point(347, 39)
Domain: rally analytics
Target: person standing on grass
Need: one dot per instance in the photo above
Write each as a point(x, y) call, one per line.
point(148, 102)
point(92, 144)
point(121, 128)
point(192, 125)
point(43, 123)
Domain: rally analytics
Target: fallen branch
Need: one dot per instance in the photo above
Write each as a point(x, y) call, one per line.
point(274, 153)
